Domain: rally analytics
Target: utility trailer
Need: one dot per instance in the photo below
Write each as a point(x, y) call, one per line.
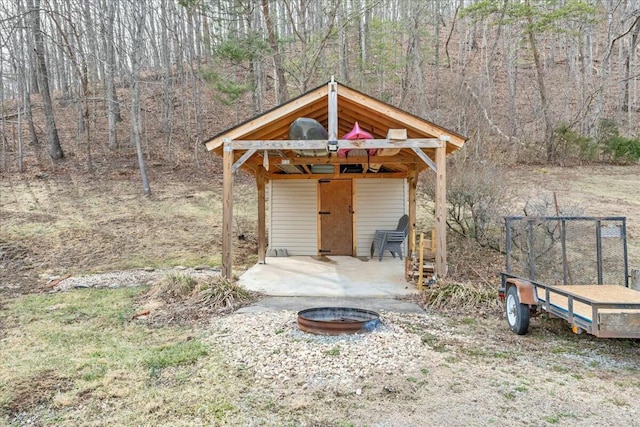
point(574, 268)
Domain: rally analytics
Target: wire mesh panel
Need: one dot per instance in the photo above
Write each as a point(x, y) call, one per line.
point(568, 250)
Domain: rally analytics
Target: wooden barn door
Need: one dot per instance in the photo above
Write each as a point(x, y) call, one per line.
point(336, 217)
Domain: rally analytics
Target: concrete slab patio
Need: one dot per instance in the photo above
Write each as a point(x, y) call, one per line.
point(302, 303)
point(334, 276)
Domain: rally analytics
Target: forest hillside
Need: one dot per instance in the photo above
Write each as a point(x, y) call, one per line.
point(92, 81)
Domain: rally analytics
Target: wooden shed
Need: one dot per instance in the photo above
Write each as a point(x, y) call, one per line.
point(324, 204)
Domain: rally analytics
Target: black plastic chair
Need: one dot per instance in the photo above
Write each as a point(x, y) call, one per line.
point(391, 240)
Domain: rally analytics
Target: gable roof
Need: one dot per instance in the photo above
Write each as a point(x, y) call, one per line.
point(373, 115)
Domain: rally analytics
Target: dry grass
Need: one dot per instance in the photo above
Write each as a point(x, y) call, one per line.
point(180, 298)
point(223, 294)
point(62, 225)
point(215, 293)
point(76, 357)
point(465, 298)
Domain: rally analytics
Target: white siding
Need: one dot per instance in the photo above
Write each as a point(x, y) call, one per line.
point(293, 219)
point(379, 205)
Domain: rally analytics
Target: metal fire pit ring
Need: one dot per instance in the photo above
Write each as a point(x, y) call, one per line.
point(337, 320)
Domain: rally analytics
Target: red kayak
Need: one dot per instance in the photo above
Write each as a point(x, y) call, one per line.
point(356, 133)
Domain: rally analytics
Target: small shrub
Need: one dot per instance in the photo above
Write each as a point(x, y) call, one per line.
point(623, 150)
point(607, 130)
point(572, 147)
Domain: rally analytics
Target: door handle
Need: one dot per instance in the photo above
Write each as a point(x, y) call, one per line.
point(324, 213)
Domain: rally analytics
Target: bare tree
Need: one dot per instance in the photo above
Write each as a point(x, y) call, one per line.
point(312, 44)
point(139, 10)
point(108, 7)
point(282, 91)
point(72, 44)
point(55, 150)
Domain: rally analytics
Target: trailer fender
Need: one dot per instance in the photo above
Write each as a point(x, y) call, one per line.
point(526, 291)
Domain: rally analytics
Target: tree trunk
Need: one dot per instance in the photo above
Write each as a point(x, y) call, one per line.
point(108, 7)
point(362, 36)
point(626, 104)
point(3, 155)
point(255, 62)
point(282, 92)
point(512, 77)
point(436, 54)
point(55, 150)
point(542, 92)
point(167, 87)
point(343, 67)
point(139, 10)
point(27, 74)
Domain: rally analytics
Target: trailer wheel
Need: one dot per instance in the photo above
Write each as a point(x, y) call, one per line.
point(517, 314)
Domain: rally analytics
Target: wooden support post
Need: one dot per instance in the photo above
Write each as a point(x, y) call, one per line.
point(333, 111)
point(412, 181)
point(441, 212)
point(635, 279)
point(227, 210)
point(260, 182)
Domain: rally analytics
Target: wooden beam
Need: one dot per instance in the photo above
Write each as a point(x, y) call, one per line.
point(441, 213)
point(325, 160)
point(333, 110)
point(399, 166)
point(354, 219)
point(242, 159)
point(425, 158)
point(320, 144)
point(412, 181)
point(260, 182)
point(319, 219)
point(276, 176)
point(227, 210)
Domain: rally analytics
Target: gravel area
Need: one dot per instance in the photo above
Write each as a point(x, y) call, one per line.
point(424, 369)
point(126, 278)
point(273, 349)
